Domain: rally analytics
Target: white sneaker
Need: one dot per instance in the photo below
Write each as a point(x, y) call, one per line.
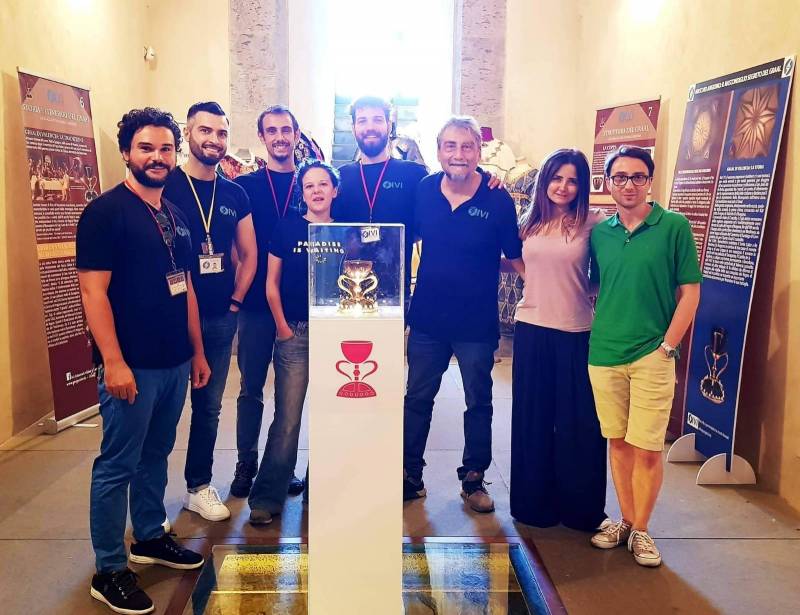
point(644, 549)
point(207, 504)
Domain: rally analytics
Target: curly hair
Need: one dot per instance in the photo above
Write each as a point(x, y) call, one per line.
point(136, 119)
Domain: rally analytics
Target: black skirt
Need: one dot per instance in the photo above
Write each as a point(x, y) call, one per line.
point(558, 456)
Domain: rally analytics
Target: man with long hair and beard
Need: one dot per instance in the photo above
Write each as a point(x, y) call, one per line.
point(218, 212)
point(133, 253)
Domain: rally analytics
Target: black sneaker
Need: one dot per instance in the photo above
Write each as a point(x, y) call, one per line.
point(243, 478)
point(296, 486)
point(166, 552)
point(120, 591)
point(413, 489)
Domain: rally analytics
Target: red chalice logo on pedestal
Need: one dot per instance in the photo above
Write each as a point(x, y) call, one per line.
point(356, 352)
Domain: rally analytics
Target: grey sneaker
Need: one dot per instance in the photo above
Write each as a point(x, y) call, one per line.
point(644, 549)
point(473, 490)
point(260, 517)
point(612, 535)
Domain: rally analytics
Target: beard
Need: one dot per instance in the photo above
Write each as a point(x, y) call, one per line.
point(140, 173)
point(202, 156)
point(375, 148)
point(281, 157)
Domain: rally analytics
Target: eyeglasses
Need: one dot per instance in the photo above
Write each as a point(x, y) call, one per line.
point(165, 225)
point(639, 179)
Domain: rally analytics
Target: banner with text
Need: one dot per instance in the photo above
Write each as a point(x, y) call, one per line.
point(631, 124)
point(62, 175)
point(723, 179)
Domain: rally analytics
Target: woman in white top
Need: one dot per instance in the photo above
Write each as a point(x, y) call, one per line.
point(558, 456)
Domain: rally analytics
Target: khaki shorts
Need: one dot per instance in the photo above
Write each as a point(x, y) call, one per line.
point(634, 400)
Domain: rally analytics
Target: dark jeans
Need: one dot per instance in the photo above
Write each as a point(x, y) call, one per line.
point(137, 439)
point(256, 338)
point(428, 359)
point(218, 335)
point(558, 455)
point(280, 455)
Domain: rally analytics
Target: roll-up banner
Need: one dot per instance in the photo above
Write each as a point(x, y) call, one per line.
point(63, 177)
point(627, 124)
point(722, 184)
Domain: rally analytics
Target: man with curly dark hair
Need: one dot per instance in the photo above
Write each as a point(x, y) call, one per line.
point(133, 256)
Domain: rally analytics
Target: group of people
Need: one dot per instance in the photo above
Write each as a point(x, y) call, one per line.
point(174, 261)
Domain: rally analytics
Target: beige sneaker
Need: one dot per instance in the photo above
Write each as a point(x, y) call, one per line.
point(473, 490)
point(611, 534)
point(644, 549)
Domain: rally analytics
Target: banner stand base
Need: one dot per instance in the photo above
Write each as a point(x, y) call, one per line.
point(683, 450)
point(713, 472)
point(52, 426)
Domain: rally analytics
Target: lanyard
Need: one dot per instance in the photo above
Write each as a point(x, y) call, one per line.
point(206, 221)
point(371, 200)
point(275, 196)
point(174, 229)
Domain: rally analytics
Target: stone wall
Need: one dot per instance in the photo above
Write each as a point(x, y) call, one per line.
point(480, 52)
point(259, 43)
point(259, 40)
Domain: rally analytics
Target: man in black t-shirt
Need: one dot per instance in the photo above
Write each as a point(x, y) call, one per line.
point(378, 188)
point(218, 212)
point(271, 194)
point(465, 228)
point(133, 258)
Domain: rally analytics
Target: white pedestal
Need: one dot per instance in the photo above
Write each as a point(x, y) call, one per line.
point(355, 522)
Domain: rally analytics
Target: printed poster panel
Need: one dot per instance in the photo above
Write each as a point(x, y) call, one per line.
point(631, 124)
point(723, 179)
point(63, 177)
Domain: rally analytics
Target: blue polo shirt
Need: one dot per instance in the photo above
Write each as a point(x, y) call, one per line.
point(456, 294)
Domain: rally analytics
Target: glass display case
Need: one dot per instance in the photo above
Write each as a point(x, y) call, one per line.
point(356, 270)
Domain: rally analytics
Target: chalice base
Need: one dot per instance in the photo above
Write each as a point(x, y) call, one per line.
point(356, 390)
point(712, 389)
point(353, 308)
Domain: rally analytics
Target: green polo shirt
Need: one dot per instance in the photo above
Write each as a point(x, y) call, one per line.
point(639, 273)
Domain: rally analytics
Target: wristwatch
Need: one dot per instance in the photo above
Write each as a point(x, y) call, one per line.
point(671, 351)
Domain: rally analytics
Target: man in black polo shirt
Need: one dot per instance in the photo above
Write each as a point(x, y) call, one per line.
point(134, 258)
point(218, 212)
point(270, 191)
point(465, 227)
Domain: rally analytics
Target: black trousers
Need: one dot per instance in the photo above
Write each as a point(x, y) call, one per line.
point(558, 456)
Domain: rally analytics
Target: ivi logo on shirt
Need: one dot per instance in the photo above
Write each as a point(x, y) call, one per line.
point(182, 231)
point(227, 211)
point(391, 185)
point(476, 211)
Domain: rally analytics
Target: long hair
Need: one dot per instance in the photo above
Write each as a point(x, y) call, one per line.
point(542, 211)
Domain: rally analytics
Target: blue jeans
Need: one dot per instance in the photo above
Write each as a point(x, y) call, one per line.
point(280, 455)
point(428, 359)
point(256, 337)
point(218, 335)
point(137, 439)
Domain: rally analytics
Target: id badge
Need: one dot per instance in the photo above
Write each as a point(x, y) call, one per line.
point(176, 281)
point(370, 234)
point(210, 263)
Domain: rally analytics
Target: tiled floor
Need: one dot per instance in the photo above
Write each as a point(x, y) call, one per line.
point(726, 550)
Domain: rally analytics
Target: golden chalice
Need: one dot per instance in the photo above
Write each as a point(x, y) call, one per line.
point(358, 283)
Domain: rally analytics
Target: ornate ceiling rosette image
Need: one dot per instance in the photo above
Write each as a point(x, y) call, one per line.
point(755, 122)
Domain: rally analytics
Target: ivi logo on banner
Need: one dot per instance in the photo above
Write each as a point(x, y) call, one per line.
point(692, 420)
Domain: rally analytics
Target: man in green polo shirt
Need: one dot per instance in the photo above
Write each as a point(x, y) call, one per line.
point(645, 260)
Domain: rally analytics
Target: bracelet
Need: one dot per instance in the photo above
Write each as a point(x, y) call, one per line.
point(236, 302)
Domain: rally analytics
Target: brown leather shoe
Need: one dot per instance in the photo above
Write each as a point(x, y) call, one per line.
point(473, 490)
